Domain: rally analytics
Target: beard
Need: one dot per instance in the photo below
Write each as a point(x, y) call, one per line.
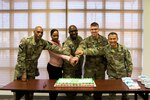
point(74, 36)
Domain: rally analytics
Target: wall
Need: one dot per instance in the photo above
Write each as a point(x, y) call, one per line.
point(146, 53)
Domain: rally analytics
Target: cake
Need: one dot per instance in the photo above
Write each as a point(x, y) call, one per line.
point(75, 82)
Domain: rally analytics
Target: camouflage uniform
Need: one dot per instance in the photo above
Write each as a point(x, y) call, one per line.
point(28, 54)
point(119, 65)
point(119, 62)
point(70, 71)
point(94, 65)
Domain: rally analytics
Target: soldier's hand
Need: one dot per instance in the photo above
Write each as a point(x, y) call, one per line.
point(79, 52)
point(129, 75)
point(74, 60)
point(24, 76)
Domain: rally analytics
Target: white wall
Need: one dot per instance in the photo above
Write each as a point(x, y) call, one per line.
point(146, 53)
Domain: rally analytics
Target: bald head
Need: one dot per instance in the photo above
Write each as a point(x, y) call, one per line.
point(38, 27)
point(73, 31)
point(72, 27)
point(38, 33)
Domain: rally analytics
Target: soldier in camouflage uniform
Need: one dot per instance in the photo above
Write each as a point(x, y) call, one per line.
point(94, 65)
point(70, 45)
point(30, 49)
point(119, 61)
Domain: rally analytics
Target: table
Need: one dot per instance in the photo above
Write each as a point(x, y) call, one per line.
point(102, 86)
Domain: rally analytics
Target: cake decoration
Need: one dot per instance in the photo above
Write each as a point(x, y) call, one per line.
point(75, 82)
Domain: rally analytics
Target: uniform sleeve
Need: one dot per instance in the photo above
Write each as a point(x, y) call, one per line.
point(66, 46)
point(55, 48)
point(94, 51)
point(90, 51)
point(128, 62)
point(82, 46)
point(21, 58)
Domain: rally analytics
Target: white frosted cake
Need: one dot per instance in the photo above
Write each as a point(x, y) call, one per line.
point(75, 82)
